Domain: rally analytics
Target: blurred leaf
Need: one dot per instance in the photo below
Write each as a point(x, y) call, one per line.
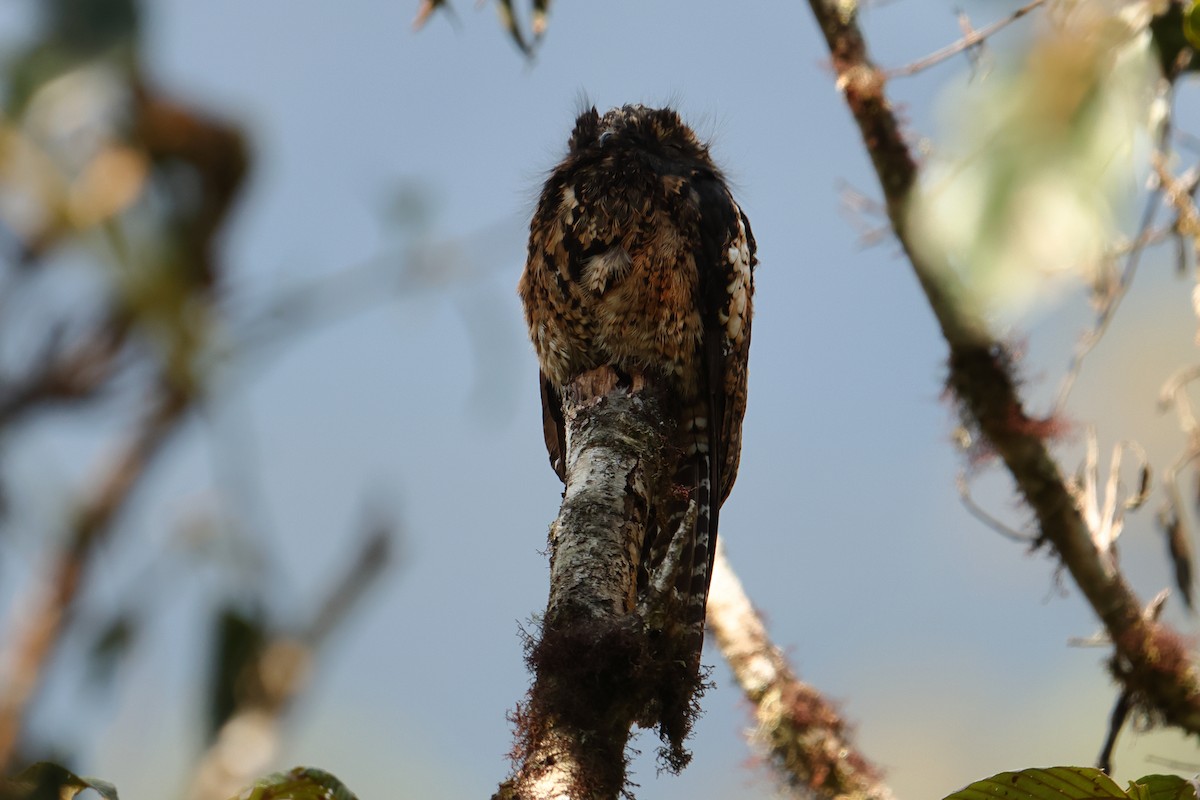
point(1053, 783)
point(110, 646)
point(1055, 141)
point(1176, 34)
point(508, 19)
point(240, 639)
point(541, 9)
point(301, 783)
point(48, 781)
point(1162, 787)
point(109, 184)
point(91, 24)
point(1191, 24)
point(73, 31)
point(425, 11)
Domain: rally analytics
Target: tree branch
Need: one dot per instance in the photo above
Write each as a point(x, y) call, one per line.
point(1150, 661)
point(43, 618)
point(598, 666)
point(971, 38)
point(806, 737)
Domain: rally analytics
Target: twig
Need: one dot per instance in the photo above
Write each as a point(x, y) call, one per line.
point(1150, 659)
point(966, 43)
point(977, 511)
point(807, 739)
point(65, 375)
point(1116, 721)
point(975, 52)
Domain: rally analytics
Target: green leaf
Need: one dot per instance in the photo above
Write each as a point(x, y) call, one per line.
point(1053, 783)
point(1162, 787)
point(1191, 23)
point(301, 783)
point(46, 780)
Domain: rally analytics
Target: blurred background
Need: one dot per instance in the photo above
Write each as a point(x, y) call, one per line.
point(264, 382)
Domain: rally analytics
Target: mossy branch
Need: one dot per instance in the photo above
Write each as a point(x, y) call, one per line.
point(1150, 660)
point(600, 664)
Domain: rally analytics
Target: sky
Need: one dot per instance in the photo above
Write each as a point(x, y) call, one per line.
point(943, 642)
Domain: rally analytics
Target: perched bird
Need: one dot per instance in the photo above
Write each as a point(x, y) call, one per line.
point(640, 259)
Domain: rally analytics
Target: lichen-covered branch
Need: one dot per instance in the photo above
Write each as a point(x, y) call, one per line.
point(1150, 661)
point(594, 664)
point(803, 733)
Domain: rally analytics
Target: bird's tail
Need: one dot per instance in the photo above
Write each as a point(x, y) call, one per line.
point(684, 537)
point(692, 535)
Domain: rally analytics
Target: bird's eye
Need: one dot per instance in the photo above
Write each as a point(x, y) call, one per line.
point(604, 136)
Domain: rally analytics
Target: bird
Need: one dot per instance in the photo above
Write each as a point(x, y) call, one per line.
point(640, 259)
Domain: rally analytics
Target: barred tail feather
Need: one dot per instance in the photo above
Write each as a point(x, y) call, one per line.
point(693, 482)
point(703, 543)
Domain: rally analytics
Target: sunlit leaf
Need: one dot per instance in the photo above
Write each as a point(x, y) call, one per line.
point(1162, 787)
point(1053, 783)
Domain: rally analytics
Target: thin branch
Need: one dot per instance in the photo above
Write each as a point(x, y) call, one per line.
point(42, 618)
point(1150, 660)
point(1116, 721)
point(972, 39)
point(64, 374)
point(977, 511)
point(807, 739)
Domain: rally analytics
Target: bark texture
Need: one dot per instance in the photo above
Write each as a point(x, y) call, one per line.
point(596, 665)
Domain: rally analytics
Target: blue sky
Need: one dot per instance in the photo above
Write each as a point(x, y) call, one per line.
point(945, 643)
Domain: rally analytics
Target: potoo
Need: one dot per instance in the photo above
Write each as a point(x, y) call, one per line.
point(640, 259)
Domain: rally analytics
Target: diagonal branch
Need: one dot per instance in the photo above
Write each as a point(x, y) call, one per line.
point(1150, 660)
point(43, 620)
point(807, 739)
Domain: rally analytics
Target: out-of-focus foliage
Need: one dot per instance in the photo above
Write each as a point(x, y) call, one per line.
point(526, 41)
point(1031, 183)
point(300, 783)
point(1176, 32)
point(109, 182)
point(1163, 787)
point(47, 781)
point(1074, 783)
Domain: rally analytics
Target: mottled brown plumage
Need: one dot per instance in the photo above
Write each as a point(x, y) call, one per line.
point(640, 259)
